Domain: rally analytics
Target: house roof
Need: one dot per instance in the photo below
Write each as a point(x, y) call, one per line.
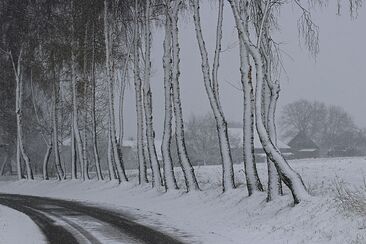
point(238, 133)
point(302, 141)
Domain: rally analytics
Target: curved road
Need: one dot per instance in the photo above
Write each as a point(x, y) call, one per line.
point(73, 222)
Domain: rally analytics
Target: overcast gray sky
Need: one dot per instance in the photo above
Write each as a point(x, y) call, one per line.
point(337, 76)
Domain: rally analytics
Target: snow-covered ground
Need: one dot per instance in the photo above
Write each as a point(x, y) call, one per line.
point(16, 228)
point(209, 216)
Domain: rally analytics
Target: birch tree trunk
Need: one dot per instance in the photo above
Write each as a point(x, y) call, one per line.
point(18, 98)
point(150, 134)
point(121, 105)
point(253, 182)
point(111, 168)
point(112, 123)
point(291, 178)
point(55, 100)
point(19, 161)
point(48, 143)
point(188, 171)
point(85, 110)
point(211, 86)
point(274, 180)
point(270, 95)
point(73, 151)
point(170, 181)
point(93, 117)
point(85, 144)
point(75, 114)
point(139, 103)
point(46, 160)
point(252, 179)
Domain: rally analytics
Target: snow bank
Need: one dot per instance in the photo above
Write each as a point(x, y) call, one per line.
point(209, 216)
point(16, 228)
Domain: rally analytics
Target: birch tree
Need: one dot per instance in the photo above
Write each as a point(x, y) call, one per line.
point(75, 114)
point(150, 134)
point(251, 175)
point(55, 125)
point(93, 110)
point(45, 132)
point(211, 86)
point(188, 171)
point(139, 99)
point(290, 177)
point(271, 88)
point(169, 177)
point(110, 77)
point(19, 97)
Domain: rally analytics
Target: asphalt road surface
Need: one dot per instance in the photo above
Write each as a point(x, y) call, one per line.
point(68, 222)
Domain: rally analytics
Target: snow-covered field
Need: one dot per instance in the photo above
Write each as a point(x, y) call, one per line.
point(209, 216)
point(16, 227)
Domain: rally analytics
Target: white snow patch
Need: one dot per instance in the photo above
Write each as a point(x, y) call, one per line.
point(208, 216)
point(16, 227)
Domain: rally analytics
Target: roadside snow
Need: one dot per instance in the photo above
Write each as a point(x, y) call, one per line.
point(209, 216)
point(15, 228)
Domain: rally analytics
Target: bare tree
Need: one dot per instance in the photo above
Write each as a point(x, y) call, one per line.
point(169, 177)
point(291, 178)
point(75, 114)
point(110, 77)
point(45, 131)
point(17, 68)
point(93, 111)
point(188, 171)
point(252, 179)
point(139, 100)
point(212, 90)
point(150, 134)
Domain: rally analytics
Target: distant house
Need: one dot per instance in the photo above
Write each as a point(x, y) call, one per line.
point(236, 141)
point(303, 147)
point(129, 147)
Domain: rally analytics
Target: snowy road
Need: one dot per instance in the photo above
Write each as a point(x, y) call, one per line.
point(72, 222)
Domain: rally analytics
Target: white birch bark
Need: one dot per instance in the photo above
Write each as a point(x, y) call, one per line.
point(73, 151)
point(18, 99)
point(85, 144)
point(85, 111)
point(150, 134)
point(250, 169)
point(139, 103)
point(48, 143)
point(110, 73)
point(188, 171)
point(211, 86)
point(19, 161)
point(291, 178)
point(93, 117)
point(170, 181)
point(110, 158)
point(274, 180)
point(75, 114)
point(269, 97)
point(55, 100)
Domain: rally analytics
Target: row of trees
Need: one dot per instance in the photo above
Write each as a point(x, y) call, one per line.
point(81, 53)
point(329, 126)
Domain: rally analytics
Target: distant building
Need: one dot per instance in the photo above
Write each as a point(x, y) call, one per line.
point(236, 141)
point(303, 147)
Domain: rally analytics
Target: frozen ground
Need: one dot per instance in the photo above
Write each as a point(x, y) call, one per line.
point(209, 216)
point(16, 228)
